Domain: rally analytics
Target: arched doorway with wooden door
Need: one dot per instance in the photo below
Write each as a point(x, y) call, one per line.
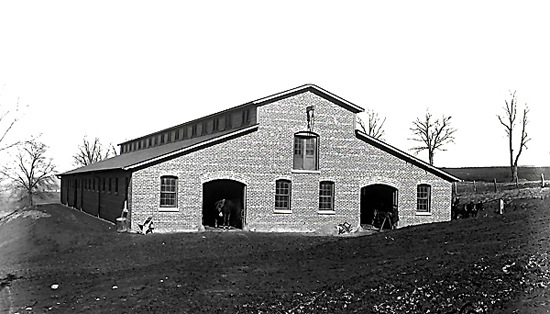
point(382, 200)
point(227, 189)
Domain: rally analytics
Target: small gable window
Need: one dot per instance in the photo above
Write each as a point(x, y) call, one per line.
point(306, 147)
point(423, 195)
point(168, 191)
point(282, 194)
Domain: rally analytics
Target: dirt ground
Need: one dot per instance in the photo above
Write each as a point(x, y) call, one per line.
point(500, 264)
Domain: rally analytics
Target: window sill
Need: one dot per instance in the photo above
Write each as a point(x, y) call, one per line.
point(169, 209)
point(306, 171)
point(423, 214)
point(326, 212)
point(282, 211)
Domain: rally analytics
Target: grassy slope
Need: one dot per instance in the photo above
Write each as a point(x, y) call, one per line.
point(437, 267)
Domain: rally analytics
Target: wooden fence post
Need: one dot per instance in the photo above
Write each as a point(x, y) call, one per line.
point(495, 183)
point(475, 188)
point(542, 179)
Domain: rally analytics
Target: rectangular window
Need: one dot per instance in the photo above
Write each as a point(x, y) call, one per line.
point(93, 184)
point(246, 117)
point(305, 153)
point(168, 191)
point(177, 135)
point(184, 133)
point(194, 130)
point(326, 196)
point(216, 124)
point(228, 121)
point(116, 185)
point(103, 185)
point(423, 194)
point(110, 185)
point(282, 194)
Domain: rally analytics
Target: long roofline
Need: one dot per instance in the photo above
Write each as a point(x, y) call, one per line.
point(148, 156)
point(266, 100)
point(407, 157)
point(314, 89)
point(192, 147)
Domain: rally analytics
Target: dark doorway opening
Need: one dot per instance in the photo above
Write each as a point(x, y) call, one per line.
point(382, 198)
point(216, 190)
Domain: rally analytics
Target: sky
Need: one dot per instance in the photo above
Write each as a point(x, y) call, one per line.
point(117, 70)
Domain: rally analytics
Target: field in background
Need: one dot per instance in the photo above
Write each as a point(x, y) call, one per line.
point(502, 174)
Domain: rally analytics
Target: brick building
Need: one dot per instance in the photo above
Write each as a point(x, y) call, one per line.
point(292, 161)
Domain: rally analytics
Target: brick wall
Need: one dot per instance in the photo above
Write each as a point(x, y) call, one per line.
point(260, 158)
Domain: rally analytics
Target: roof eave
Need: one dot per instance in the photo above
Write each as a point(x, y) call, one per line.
point(314, 89)
point(191, 148)
point(404, 156)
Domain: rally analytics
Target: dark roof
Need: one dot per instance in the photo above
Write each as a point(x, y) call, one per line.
point(147, 156)
point(315, 90)
point(404, 156)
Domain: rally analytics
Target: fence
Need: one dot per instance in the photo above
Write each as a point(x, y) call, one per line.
point(480, 187)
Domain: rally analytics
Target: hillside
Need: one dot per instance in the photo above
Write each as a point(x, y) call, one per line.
point(502, 174)
point(498, 263)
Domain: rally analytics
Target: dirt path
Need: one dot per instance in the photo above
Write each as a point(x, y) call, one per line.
point(498, 263)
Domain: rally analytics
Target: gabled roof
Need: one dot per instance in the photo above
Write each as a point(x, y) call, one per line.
point(147, 156)
point(404, 156)
point(151, 155)
point(315, 90)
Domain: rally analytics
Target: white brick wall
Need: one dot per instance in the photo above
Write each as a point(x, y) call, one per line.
point(260, 158)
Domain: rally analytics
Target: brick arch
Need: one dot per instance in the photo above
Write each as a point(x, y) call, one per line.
point(382, 195)
point(380, 180)
point(223, 175)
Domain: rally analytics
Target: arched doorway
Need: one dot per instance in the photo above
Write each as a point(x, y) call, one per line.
point(216, 190)
point(379, 197)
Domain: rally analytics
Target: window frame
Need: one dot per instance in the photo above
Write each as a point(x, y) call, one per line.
point(305, 144)
point(330, 197)
point(279, 196)
point(424, 199)
point(245, 117)
point(168, 207)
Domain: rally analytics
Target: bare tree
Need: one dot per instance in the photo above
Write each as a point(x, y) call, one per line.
point(374, 126)
point(8, 118)
point(433, 134)
point(92, 152)
point(509, 122)
point(32, 173)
